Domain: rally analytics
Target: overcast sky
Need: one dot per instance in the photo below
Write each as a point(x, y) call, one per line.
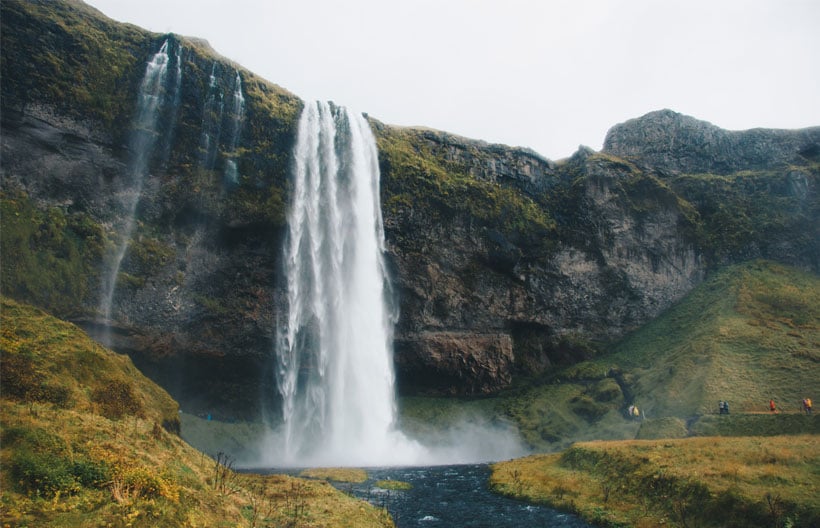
point(549, 74)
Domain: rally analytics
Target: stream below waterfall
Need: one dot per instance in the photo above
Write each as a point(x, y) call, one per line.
point(453, 497)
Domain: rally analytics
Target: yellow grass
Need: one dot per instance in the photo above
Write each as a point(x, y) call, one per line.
point(69, 461)
point(670, 482)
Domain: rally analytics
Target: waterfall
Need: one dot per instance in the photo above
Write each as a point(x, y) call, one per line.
point(334, 358)
point(237, 115)
point(175, 100)
point(211, 122)
point(142, 142)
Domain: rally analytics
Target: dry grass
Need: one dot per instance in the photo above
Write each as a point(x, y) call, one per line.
point(749, 481)
point(71, 456)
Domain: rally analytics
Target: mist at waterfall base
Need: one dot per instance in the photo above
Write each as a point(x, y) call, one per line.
point(333, 357)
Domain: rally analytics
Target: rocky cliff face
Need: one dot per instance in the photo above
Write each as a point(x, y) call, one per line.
point(504, 263)
point(677, 144)
point(617, 249)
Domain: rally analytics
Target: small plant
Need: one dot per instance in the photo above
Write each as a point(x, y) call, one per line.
point(517, 483)
point(225, 479)
point(295, 503)
point(606, 489)
point(261, 506)
point(559, 491)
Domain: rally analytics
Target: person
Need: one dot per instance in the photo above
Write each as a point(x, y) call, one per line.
point(720, 407)
point(726, 407)
point(772, 406)
point(807, 405)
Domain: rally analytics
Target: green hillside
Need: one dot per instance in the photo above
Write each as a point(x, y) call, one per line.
point(89, 441)
point(749, 333)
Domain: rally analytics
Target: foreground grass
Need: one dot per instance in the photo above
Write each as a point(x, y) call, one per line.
point(750, 481)
point(88, 441)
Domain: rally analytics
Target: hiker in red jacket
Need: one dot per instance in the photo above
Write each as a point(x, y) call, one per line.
point(772, 406)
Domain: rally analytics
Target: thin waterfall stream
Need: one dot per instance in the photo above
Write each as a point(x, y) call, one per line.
point(237, 115)
point(143, 141)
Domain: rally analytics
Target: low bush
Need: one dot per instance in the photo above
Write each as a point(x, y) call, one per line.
point(116, 399)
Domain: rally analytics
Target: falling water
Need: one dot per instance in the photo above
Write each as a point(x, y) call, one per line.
point(237, 115)
point(334, 369)
point(143, 139)
point(175, 99)
point(211, 122)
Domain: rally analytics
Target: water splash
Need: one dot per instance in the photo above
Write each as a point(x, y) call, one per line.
point(334, 358)
point(143, 139)
point(237, 116)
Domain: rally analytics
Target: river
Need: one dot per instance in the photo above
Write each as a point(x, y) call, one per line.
point(453, 496)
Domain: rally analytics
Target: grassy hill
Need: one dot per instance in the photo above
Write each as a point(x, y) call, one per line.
point(89, 441)
point(751, 332)
point(748, 334)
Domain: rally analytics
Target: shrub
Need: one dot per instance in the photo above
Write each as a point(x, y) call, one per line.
point(117, 399)
point(42, 474)
point(33, 439)
point(91, 474)
point(138, 482)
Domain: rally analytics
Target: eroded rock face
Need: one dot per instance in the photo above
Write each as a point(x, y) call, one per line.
point(621, 267)
point(454, 363)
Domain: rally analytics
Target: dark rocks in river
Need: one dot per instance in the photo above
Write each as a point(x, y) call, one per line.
point(504, 263)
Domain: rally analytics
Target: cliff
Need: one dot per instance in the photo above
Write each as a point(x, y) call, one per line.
point(505, 264)
point(679, 144)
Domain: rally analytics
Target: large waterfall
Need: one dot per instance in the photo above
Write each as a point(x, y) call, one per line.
point(142, 142)
point(334, 359)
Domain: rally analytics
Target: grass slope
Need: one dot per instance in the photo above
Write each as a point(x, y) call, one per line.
point(88, 441)
point(706, 482)
point(751, 332)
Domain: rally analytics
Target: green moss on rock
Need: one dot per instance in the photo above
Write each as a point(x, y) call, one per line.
point(414, 176)
point(51, 256)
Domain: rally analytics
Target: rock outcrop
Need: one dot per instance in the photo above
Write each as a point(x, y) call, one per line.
point(504, 263)
point(674, 143)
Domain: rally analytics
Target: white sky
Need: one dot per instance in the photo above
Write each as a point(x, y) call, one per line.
point(549, 74)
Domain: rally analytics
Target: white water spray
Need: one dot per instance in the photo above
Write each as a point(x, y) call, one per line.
point(143, 140)
point(335, 365)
